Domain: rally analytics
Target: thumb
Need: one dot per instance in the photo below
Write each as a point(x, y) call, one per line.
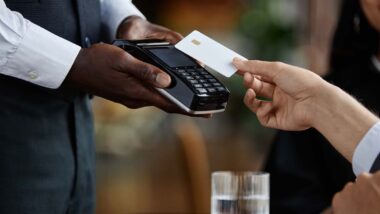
point(147, 73)
point(267, 70)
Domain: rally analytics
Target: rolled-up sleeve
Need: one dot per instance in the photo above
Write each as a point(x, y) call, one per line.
point(367, 151)
point(31, 53)
point(114, 12)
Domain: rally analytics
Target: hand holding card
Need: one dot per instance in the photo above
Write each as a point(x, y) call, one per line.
point(209, 52)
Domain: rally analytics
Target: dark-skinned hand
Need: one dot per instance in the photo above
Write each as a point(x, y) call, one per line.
point(136, 28)
point(110, 72)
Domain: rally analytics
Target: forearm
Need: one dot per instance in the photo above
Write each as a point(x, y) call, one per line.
point(341, 119)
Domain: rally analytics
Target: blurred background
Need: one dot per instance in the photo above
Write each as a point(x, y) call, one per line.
point(152, 162)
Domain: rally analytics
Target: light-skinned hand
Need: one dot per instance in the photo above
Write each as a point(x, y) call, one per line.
point(362, 196)
point(297, 99)
point(291, 98)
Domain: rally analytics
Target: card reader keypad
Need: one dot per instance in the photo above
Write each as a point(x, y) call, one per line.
point(200, 80)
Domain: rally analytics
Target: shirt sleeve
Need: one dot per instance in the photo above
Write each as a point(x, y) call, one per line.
point(27, 52)
point(367, 151)
point(113, 12)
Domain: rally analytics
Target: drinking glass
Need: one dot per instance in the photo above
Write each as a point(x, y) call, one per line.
point(240, 193)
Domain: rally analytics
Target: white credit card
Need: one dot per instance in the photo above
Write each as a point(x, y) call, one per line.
point(209, 52)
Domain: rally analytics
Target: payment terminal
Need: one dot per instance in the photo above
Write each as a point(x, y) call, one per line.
point(193, 88)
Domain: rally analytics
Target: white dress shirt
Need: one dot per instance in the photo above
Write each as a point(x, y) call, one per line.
point(368, 149)
point(26, 52)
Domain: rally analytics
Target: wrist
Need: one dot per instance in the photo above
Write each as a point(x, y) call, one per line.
point(336, 104)
point(318, 99)
point(323, 106)
point(341, 119)
point(75, 75)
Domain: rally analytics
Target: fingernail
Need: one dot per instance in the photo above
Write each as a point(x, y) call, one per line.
point(237, 60)
point(163, 80)
point(251, 93)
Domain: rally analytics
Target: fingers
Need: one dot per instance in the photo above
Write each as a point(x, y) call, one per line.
point(251, 102)
point(267, 70)
point(145, 72)
point(248, 80)
point(262, 109)
point(173, 37)
point(264, 114)
point(261, 88)
point(159, 32)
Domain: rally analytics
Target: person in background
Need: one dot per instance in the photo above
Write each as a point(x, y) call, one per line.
point(306, 170)
point(48, 68)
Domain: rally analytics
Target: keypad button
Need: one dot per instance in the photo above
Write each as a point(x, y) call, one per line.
point(190, 70)
point(209, 77)
point(220, 89)
point(203, 81)
point(198, 85)
point(201, 90)
point(212, 80)
point(207, 85)
point(198, 77)
point(194, 82)
point(217, 84)
point(211, 90)
point(185, 74)
point(194, 73)
point(189, 77)
point(181, 71)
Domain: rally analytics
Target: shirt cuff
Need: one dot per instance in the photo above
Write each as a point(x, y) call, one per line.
point(114, 12)
point(42, 58)
point(367, 151)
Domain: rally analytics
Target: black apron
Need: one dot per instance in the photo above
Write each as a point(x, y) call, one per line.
point(46, 136)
